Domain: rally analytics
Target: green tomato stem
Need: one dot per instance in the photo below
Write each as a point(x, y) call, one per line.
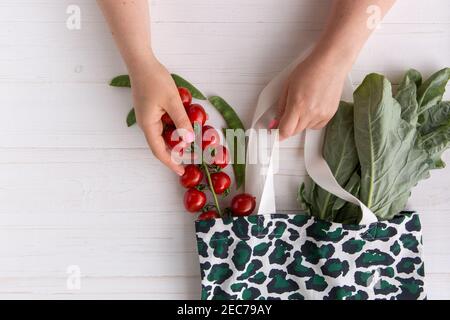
point(211, 187)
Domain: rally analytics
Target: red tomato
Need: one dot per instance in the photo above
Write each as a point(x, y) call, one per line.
point(208, 215)
point(220, 156)
point(192, 176)
point(210, 137)
point(171, 137)
point(194, 200)
point(186, 96)
point(243, 204)
point(196, 113)
point(167, 120)
point(220, 181)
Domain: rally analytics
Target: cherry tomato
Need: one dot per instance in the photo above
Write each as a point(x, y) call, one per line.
point(243, 204)
point(192, 176)
point(220, 156)
point(194, 200)
point(186, 96)
point(210, 137)
point(171, 137)
point(167, 120)
point(208, 215)
point(220, 181)
point(196, 113)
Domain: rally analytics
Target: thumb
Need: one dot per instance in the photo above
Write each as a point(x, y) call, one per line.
point(181, 120)
point(281, 107)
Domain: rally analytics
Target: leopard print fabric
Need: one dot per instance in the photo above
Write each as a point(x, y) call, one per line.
point(283, 256)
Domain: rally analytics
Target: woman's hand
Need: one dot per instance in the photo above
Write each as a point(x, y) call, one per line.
point(155, 93)
point(311, 95)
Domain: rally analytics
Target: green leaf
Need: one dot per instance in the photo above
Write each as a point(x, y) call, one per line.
point(435, 117)
point(391, 163)
point(432, 90)
point(180, 82)
point(237, 144)
point(340, 153)
point(407, 96)
point(121, 81)
point(131, 118)
point(352, 186)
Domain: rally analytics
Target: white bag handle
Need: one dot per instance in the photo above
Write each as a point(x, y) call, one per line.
point(262, 185)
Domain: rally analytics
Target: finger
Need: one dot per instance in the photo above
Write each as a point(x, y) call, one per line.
point(318, 125)
point(181, 120)
point(302, 124)
point(282, 102)
point(158, 147)
point(288, 123)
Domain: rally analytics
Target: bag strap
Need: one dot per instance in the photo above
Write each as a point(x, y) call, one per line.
point(262, 178)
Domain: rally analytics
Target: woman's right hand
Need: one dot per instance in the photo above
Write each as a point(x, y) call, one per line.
point(155, 93)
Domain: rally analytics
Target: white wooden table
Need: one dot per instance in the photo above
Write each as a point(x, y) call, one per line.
point(78, 188)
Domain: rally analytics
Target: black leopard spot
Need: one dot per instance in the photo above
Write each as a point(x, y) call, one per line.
point(219, 273)
point(204, 267)
point(299, 220)
point(261, 249)
point(241, 255)
point(353, 246)
point(202, 248)
point(280, 253)
point(410, 288)
point(237, 287)
point(297, 268)
point(250, 294)
point(279, 283)
point(240, 228)
point(206, 290)
point(413, 224)
point(421, 270)
point(313, 253)
point(359, 295)
point(407, 265)
point(320, 231)
point(203, 226)
point(374, 257)
point(395, 248)
point(251, 270)
point(293, 234)
point(340, 293)
point(335, 267)
point(384, 233)
point(296, 296)
point(278, 231)
point(384, 288)
point(219, 294)
point(220, 241)
point(363, 278)
point(410, 242)
point(316, 283)
point(387, 272)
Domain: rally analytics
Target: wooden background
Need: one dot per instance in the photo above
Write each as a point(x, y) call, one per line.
point(78, 188)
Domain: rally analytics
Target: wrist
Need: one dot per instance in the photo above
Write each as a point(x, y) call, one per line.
point(140, 60)
point(335, 56)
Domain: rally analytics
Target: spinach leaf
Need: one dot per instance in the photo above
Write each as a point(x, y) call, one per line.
point(407, 96)
point(432, 90)
point(391, 161)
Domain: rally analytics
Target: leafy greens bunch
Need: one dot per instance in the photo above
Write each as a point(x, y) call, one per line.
point(381, 145)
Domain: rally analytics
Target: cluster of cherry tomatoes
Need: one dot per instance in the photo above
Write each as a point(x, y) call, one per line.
point(209, 170)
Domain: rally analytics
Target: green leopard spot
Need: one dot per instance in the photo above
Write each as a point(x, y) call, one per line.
point(250, 294)
point(360, 295)
point(203, 226)
point(237, 287)
point(252, 268)
point(335, 267)
point(410, 242)
point(296, 296)
point(340, 293)
point(385, 288)
point(297, 268)
point(353, 246)
point(241, 255)
point(316, 283)
point(261, 249)
point(410, 288)
point(257, 230)
point(280, 252)
point(395, 248)
point(279, 282)
point(413, 224)
point(408, 265)
point(240, 228)
point(202, 248)
point(387, 272)
point(385, 232)
point(219, 273)
point(320, 231)
point(280, 227)
point(313, 253)
point(421, 270)
point(259, 278)
point(220, 242)
point(219, 294)
point(253, 219)
point(205, 292)
point(363, 278)
point(374, 258)
point(299, 220)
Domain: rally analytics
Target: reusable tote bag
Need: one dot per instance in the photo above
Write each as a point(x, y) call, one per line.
point(287, 256)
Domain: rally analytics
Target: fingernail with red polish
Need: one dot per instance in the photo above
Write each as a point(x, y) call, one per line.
point(273, 124)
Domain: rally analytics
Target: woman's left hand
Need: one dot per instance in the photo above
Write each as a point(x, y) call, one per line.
point(311, 95)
